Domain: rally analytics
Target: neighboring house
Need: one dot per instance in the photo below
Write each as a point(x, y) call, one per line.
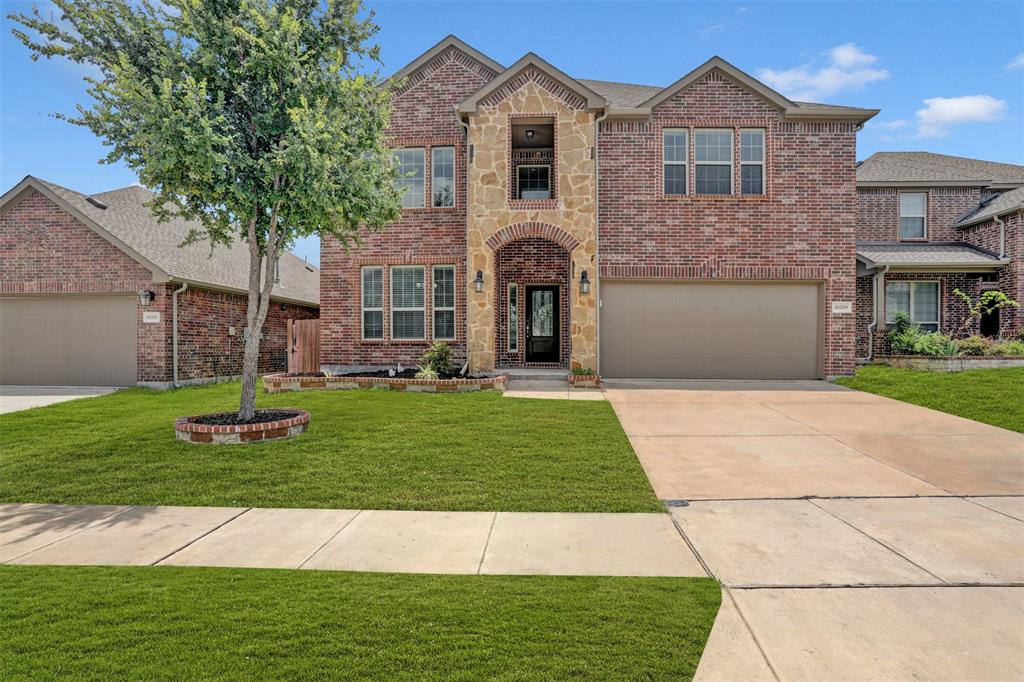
point(929, 224)
point(87, 294)
point(705, 229)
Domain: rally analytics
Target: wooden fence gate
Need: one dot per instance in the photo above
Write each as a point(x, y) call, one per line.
point(303, 346)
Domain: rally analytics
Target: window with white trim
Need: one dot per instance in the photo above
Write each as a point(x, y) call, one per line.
point(752, 161)
point(407, 302)
point(444, 302)
point(513, 318)
point(913, 213)
point(442, 176)
point(674, 157)
point(919, 300)
point(373, 302)
point(410, 176)
point(713, 161)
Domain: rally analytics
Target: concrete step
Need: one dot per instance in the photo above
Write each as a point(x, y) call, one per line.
point(534, 374)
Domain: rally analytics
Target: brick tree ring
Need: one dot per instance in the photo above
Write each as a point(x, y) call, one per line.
point(285, 422)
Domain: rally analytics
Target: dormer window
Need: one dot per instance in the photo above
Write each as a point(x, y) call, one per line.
point(532, 158)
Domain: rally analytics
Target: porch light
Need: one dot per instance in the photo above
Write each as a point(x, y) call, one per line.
point(479, 281)
point(584, 283)
point(146, 297)
point(529, 134)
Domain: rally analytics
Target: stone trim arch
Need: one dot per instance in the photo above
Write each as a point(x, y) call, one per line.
point(552, 233)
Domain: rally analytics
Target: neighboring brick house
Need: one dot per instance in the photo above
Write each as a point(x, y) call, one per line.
point(929, 224)
point(87, 289)
point(705, 229)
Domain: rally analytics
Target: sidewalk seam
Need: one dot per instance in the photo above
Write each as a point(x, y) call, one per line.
point(328, 540)
point(200, 537)
point(972, 500)
point(693, 549)
point(487, 543)
point(750, 629)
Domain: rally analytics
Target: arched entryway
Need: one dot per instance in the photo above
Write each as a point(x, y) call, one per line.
point(533, 311)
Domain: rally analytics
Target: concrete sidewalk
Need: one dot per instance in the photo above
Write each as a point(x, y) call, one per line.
point(17, 398)
point(353, 540)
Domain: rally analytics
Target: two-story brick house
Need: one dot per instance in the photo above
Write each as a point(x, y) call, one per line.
point(704, 229)
point(929, 224)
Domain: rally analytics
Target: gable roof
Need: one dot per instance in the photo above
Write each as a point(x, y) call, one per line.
point(128, 224)
point(449, 41)
point(991, 207)
point(927, 257)
point(622, 95)
point(592, 100)
point(926, 168)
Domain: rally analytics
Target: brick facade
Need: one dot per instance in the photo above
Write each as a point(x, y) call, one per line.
point(1010, 278)
point(45, 250)
point(878, 212)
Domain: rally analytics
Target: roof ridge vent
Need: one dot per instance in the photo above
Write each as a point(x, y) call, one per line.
point(97, 203)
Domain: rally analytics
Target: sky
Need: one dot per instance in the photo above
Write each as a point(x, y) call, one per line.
point(948, 77)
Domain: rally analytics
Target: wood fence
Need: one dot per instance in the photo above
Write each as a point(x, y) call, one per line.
point(303, 346)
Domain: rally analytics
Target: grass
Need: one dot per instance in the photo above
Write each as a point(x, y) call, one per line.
point(162, 623)
point(992, 396)
point(367, 449)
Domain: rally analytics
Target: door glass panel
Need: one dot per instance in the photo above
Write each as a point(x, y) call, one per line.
point(542, 311)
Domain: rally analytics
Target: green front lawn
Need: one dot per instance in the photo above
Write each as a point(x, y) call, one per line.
point(160, 623)
point(992, 396)
point(367, 449)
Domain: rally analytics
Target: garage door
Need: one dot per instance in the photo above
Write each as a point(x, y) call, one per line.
point(68, 340)
point(710, 330)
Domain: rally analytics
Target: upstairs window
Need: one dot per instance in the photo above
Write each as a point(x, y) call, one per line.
point(913, 210)
point(444, 302)
point(919, 300)
point(411, 174)
point(534, 182)
point(442, 176)
point(407, 302)
point(674, 146)
point(532, 158)
point(713, 160)
point(752, 162)
point(373, 302)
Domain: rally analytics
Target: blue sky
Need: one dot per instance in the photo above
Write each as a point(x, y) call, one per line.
point(948, 77)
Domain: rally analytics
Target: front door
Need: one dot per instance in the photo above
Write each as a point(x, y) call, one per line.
point(542, 324)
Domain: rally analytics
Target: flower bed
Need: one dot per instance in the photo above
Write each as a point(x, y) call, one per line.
point(585, 381)
point(212, 428)
point(957, 363)
point(284, 383)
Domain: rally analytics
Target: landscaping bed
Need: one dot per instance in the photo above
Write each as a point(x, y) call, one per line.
point(225, 428)
point(406, 381)
point(955, 363)
point(363, 450)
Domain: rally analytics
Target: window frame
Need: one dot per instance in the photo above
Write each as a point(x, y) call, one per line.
point(912, 285)
point(512, 326)
point(685, 163)
point(761, 163)
point(401, 178)
point(732, 161)
point(422, 308)
point(923, 217)
point(363, 309)
point(433, 152)
point(435, 309)
point(519, 190)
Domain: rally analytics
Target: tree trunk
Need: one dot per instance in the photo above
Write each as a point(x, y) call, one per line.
point(256, 313)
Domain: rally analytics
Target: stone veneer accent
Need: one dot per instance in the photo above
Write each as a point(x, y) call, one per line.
point(569, 219)
point(186, 429)
point(955, 364)
point(288, 383)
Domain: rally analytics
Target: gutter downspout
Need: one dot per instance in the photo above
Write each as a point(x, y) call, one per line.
point(174, 332)
point(879, 277)
point(1002, 237)
point(597, 238)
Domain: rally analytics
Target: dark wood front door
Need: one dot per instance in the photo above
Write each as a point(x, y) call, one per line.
point(542, 324)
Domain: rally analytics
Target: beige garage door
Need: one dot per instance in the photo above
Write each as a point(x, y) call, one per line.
point(68, 340)
point(710, 331)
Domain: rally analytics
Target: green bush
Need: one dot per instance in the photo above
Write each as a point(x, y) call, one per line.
point(937, 344)
point(1007, 348)
point(437, 358)
point(975, 345)
point(903, 336)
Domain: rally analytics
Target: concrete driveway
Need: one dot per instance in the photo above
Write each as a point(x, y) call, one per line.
point(856, 537)
point(17, 398)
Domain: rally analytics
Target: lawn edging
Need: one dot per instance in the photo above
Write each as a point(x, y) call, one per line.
point(286, 383)
point(957, 363)
point(186, 429)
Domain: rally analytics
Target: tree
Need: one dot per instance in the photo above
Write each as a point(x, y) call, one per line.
point(988, 302)
point(259, 119)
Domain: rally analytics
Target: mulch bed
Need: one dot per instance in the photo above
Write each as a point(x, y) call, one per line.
point(404, 374)
point(231, 418)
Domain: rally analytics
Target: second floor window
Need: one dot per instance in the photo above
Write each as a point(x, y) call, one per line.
point(713, 160)
point(442, 176)
point(534, 182)
point(752, 162)
point(913, 209)
point(675, 148)
point(411, 174)
point(407, 302)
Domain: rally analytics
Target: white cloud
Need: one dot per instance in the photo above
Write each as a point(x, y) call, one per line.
point(710, 31)
point(897, 124)
point(845, 67)
point(942, 113)
point(1017, 62)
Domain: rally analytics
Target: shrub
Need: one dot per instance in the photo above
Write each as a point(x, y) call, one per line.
point(1007, 348)
point(975, 345)
point(937, 344)
point(437, 358)
point(426, 372)
point(904, 335)
point(583, 372)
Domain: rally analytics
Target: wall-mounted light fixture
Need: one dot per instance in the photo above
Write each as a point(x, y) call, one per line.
point(584, 283)
point(479, 281)
point(146, 297)
point(530, 134)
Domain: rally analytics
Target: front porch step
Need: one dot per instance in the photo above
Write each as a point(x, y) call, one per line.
point(534, 373)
